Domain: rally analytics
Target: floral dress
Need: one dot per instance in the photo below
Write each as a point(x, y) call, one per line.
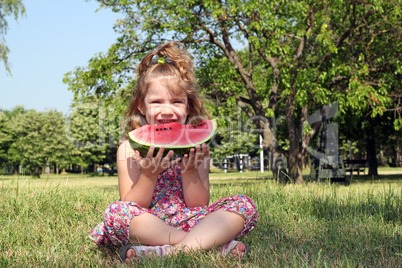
point(168, 205)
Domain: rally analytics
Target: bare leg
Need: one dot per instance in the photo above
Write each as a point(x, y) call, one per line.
point(147, 229)
point(214, 230)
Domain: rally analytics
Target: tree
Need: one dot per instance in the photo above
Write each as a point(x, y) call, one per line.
point(8, 135)
point(38, 140)
point(8, 8)
point(33, 139)
point(315, 53)
point(56, 147)
point(91, 129)
point(28, 148)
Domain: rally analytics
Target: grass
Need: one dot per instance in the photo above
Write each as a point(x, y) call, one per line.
point(45, 223)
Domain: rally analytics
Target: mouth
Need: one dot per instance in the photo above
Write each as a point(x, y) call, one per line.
point(166, 121)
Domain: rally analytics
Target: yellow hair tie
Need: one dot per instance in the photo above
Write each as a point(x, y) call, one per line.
point(162, 60)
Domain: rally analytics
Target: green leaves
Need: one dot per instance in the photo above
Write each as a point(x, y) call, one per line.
point(35, 139)
point(297, 54)
point(32, 139)
point(13, 8)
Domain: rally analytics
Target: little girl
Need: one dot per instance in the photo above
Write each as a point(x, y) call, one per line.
point(164, 203)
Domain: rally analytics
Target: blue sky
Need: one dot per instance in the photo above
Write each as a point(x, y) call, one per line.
point(52, 39)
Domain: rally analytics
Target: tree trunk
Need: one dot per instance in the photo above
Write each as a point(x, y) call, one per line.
point(295, 161)
point(371, 153)
point(36, 173)
point(398, 156)
point(270, 145)
point(57, 169)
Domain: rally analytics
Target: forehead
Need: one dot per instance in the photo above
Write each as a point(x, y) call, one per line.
point(167, 86)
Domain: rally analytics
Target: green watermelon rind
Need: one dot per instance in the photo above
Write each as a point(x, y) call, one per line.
point(178, 150)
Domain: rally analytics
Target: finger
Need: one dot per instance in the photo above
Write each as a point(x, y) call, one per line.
point(205, 150)
point(200, 152)
point(184, 161)
point(201, 148)
point(151, 151)
point(191, 155)
point(169, 155)
point(137, 156)
point(160, 153)
point(185, 157)
point(166, 162)
point(175, 161)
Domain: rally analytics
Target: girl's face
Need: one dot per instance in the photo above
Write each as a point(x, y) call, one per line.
point(161, 106)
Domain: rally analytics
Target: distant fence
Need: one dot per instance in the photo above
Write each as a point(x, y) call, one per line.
point(240, 162)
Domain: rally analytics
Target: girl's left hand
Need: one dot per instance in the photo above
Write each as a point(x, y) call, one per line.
point(195, 158)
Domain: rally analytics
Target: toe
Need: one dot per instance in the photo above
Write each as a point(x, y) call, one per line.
point(239, 250)
point(130, 255)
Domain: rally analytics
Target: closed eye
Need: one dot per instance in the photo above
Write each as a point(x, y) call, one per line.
point(179, 101)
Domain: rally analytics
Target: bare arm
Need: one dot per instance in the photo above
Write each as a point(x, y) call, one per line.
point(137, 175)
point(133, 186)
point(195, 177)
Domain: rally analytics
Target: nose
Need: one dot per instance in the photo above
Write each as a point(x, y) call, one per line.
point(167, 110)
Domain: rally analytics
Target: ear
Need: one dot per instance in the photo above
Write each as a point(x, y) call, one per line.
point(141, 109)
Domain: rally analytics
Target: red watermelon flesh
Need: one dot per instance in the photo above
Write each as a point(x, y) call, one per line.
point(172, 136)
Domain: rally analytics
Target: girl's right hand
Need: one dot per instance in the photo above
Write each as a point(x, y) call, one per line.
point(151, 165)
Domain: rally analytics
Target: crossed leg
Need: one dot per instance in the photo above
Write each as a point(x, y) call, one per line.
point(215, 230)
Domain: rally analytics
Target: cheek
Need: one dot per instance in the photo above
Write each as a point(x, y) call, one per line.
point(183, 111)
point(151, 110)
point(185, 115)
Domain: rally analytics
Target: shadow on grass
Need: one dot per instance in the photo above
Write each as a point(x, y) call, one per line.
point(382, 178)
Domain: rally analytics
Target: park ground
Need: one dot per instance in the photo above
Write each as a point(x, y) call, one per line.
point(45, 222)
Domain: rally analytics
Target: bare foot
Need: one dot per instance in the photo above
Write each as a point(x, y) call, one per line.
point(239, 251)
point(131, 252)
point(130, 255)
point(235, 249)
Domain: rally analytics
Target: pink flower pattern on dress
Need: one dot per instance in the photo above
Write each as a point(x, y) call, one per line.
point(168, 205)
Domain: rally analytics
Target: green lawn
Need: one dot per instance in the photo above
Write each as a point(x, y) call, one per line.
point(45, 222)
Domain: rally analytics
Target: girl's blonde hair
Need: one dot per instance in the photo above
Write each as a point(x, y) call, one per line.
point(172, 65)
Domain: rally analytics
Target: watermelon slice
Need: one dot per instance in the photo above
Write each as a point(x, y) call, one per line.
point(172, 136)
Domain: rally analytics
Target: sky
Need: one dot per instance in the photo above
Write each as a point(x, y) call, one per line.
point(53, 38)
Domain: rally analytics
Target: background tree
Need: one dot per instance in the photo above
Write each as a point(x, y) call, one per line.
point(223, 88)
point(33, 140)
point(8, 135)
point(92, 130)
point(57, 148)
point(13, 8)
point(313, 52)
point(28, 148)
